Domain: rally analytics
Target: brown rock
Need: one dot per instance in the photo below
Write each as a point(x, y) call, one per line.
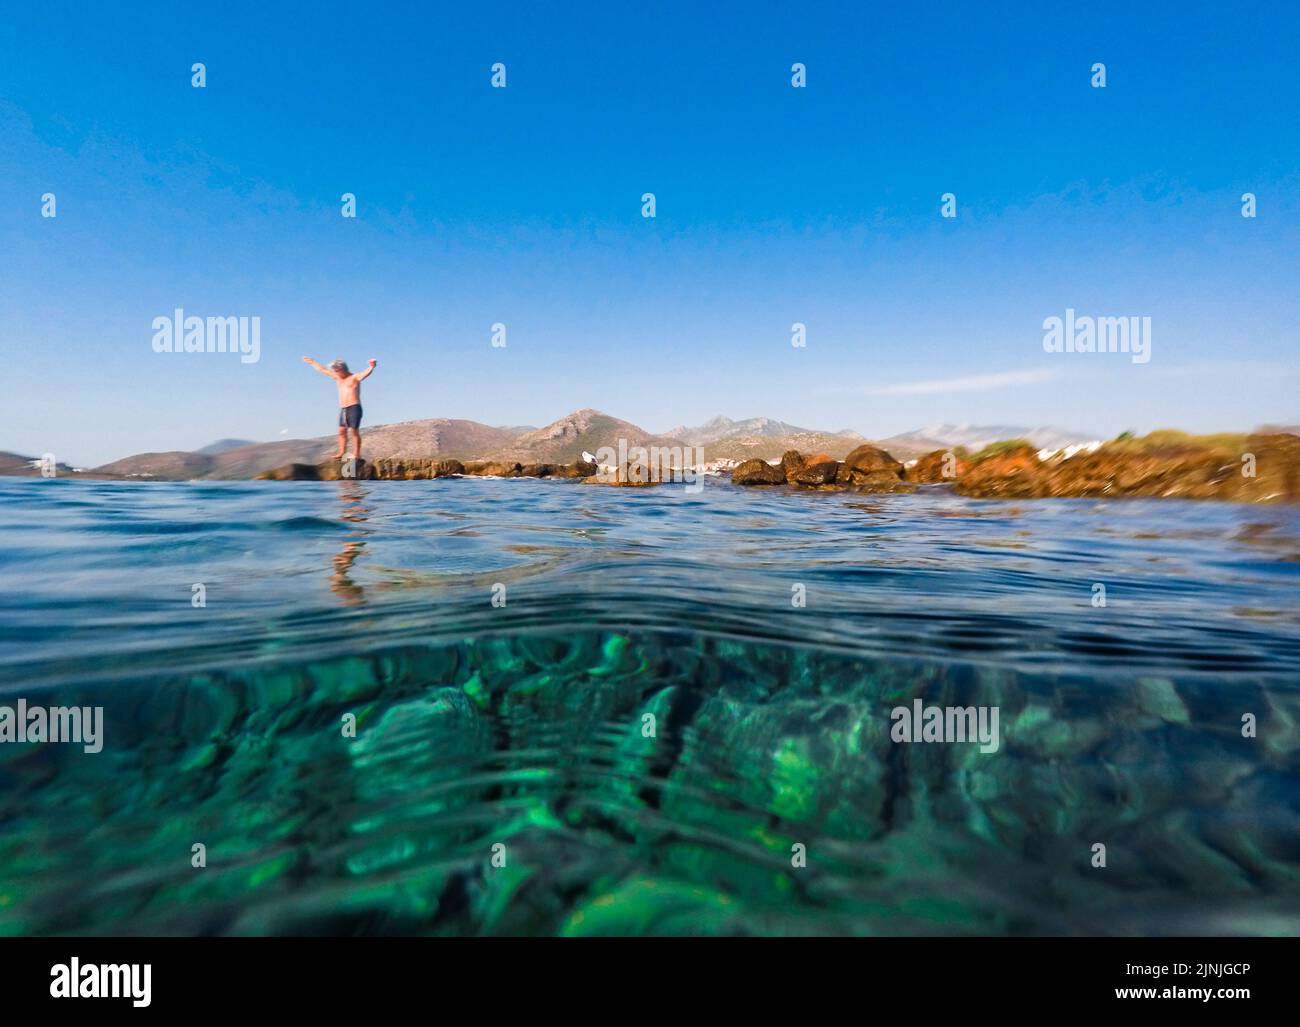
point(1277, 468)
point(604, 479)
point(820, 470)
point(867, 459)
point(494, 468)
point(871, 469)
point(1013, 473)
point(880, 483)
point(1188, 467)
point(580, 469)
point(758, 472)
point(791, 464)
point(931, 468)
point(290, 472)
point(332, 470)
point(401, 469)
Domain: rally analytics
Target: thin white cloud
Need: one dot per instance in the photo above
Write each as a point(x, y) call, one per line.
point(970, 383)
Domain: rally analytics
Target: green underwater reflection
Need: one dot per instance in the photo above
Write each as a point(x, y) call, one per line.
point(540, 744)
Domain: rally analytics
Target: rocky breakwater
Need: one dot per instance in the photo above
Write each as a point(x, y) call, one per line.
point(634, 476)
point(1256, 468)
point(1167, 464)
point(402, 469)
point(865, 469)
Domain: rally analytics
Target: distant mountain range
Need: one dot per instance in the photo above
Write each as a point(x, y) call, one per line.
point(562, 441)
point(762, 427)
point(764, 438)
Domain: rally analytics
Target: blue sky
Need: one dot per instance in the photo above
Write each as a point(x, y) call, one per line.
point(522, 205)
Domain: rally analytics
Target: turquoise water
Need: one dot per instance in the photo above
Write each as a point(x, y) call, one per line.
point(523, 726)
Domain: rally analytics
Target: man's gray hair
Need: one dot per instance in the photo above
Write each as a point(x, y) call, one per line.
point(339, 365)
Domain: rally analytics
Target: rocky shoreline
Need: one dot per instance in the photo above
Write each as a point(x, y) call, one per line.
point(1246, 468)
point(1239, 468)
point(396, 469)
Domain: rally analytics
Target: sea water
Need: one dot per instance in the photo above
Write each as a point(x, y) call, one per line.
point(467, 707)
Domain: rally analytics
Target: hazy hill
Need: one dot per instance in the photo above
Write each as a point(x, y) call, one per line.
point(250, 460)
point(770, 447)
point(565, 440)
point(718, 428)
point(438, 436)
point(222, 445)
point(170, 466)
point(14, 465)
point(764, 438)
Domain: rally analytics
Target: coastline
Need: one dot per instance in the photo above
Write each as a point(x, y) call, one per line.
point(1256, 468)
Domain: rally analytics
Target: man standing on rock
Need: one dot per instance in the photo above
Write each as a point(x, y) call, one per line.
point(349, 401)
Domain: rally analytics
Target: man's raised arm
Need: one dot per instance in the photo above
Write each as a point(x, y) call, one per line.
point(362, 376)
point(319, 367)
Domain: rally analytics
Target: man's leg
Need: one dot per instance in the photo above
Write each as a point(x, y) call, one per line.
point(356, 443)
point(343, 442)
